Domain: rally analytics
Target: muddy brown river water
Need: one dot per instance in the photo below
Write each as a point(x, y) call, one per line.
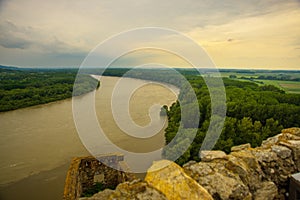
point(37, 143)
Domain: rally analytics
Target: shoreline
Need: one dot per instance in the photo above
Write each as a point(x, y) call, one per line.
point(44, 138)
point(97, 77)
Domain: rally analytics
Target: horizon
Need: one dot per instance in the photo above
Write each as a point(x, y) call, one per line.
point(131, 67)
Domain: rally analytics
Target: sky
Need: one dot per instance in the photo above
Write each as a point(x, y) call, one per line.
point(252, 34)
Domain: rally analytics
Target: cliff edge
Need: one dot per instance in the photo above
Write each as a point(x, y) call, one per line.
point(260, 173)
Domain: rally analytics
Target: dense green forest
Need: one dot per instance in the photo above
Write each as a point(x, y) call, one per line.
point(254, 113)
point(23, 88)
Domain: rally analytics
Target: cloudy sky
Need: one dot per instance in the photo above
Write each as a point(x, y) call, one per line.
point(235, 33)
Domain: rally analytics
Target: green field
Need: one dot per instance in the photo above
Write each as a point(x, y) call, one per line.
point(287, 86)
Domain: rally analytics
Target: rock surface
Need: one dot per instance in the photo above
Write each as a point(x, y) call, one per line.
point(170, 179)
point(241, 147)
point(260, 173)
point(211, 155)
point(219, 181)
point(251, 173)
point(266, 191)
point(135, 190)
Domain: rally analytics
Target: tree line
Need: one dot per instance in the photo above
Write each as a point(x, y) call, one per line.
point(19, 89)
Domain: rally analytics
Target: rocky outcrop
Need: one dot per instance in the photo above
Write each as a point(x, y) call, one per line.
point(138, 190)
point(172, 181)
point(260, 173)
point(164, 180)
point(250, 173)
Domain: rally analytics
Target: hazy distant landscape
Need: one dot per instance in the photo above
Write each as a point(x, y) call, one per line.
point(23, 87)
point(286, 80)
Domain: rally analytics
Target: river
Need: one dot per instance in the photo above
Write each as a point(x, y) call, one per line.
point(38, 143)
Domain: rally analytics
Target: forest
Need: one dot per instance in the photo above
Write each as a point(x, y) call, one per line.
point(253, 114)
point(23, 88)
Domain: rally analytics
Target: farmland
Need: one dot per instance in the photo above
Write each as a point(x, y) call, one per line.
point(288, 83)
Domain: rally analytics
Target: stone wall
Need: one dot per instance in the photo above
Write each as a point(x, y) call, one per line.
point(85, 171)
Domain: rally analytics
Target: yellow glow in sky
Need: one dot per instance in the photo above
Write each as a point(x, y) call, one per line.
point(236, 34)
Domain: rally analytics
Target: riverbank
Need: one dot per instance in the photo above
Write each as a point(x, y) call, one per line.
point(20, 89)
point(37, 141)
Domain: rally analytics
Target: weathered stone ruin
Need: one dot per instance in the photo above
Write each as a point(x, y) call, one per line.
point(84, 172)
point(261, 173)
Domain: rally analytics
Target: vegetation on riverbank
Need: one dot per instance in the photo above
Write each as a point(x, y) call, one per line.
point(20, 89)
point(254, 113)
